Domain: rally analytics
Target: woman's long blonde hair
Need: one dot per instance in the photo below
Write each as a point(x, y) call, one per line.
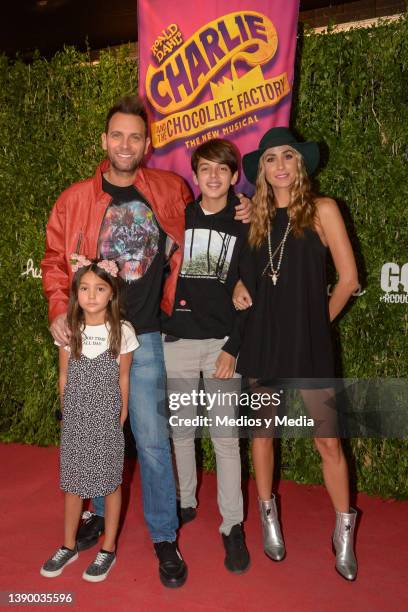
point(301, 208)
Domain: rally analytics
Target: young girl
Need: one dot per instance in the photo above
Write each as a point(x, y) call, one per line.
point(287, 335)
point(94, 387)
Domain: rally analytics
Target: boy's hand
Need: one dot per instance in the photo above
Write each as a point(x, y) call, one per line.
point(241, 297)
point(224, 366)
point(123, 417)
point(243, 210)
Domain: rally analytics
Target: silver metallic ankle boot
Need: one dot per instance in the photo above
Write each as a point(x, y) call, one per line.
point(343, 544)
point(273, 543)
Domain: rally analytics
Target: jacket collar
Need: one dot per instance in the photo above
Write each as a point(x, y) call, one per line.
point(140, 181)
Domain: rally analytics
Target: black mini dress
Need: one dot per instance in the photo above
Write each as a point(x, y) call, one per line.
point(287, 333)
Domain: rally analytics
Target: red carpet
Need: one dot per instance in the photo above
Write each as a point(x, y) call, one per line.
point(31, 528)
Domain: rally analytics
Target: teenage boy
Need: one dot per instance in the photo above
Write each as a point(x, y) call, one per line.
point(202, 335)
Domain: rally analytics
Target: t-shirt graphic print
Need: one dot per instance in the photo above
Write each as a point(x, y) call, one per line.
point(207, 254)
point(130, 235)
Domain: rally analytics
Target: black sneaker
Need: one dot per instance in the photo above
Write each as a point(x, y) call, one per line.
point(186, 515)
point(100, 568)
point(90, 530)
point(54, 565)
point(237, 556)
point(172, 569)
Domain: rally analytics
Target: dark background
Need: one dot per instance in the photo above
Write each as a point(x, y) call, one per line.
point(47, 25)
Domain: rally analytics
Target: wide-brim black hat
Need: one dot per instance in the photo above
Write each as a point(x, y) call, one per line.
point(276, 137)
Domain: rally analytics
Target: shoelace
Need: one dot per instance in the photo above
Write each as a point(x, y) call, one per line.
point(61, 552)
point(87, 515)
point(101, 558)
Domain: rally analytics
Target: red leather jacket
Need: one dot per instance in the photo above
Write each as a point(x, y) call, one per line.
point(76, 219)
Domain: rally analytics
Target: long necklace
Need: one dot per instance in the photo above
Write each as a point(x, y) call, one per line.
point(280, 248)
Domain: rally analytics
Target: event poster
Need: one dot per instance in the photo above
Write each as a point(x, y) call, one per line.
point(218, 69)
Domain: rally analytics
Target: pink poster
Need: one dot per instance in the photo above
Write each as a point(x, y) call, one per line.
point(216, 69)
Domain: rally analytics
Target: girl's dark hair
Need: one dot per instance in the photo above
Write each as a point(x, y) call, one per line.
point(76, 316)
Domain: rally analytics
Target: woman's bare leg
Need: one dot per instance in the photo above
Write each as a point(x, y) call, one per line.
point(335, 472)
point(320, 406)
point(262, 460)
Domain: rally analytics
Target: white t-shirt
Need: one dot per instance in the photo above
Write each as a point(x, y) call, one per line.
point(95, 340)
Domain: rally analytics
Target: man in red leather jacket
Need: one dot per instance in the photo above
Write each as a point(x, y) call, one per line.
point(135, 216)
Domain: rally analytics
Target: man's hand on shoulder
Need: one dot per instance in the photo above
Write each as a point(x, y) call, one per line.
point(59, 330)
point(243, 210)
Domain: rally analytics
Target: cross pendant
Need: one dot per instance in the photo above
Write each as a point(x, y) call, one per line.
point(274, 277)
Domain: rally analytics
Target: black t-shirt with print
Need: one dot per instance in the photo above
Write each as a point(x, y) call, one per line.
point(131, 235)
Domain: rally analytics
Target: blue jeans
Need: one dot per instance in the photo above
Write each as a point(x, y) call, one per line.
point(149, 423)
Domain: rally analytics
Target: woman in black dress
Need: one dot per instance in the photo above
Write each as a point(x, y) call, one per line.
point(287, 335)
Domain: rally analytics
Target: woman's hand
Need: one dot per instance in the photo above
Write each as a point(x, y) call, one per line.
point(123, 417)
point(224, 366)
point(241, 297)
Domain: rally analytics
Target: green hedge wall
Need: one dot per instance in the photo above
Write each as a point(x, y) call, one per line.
point(351, 94)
